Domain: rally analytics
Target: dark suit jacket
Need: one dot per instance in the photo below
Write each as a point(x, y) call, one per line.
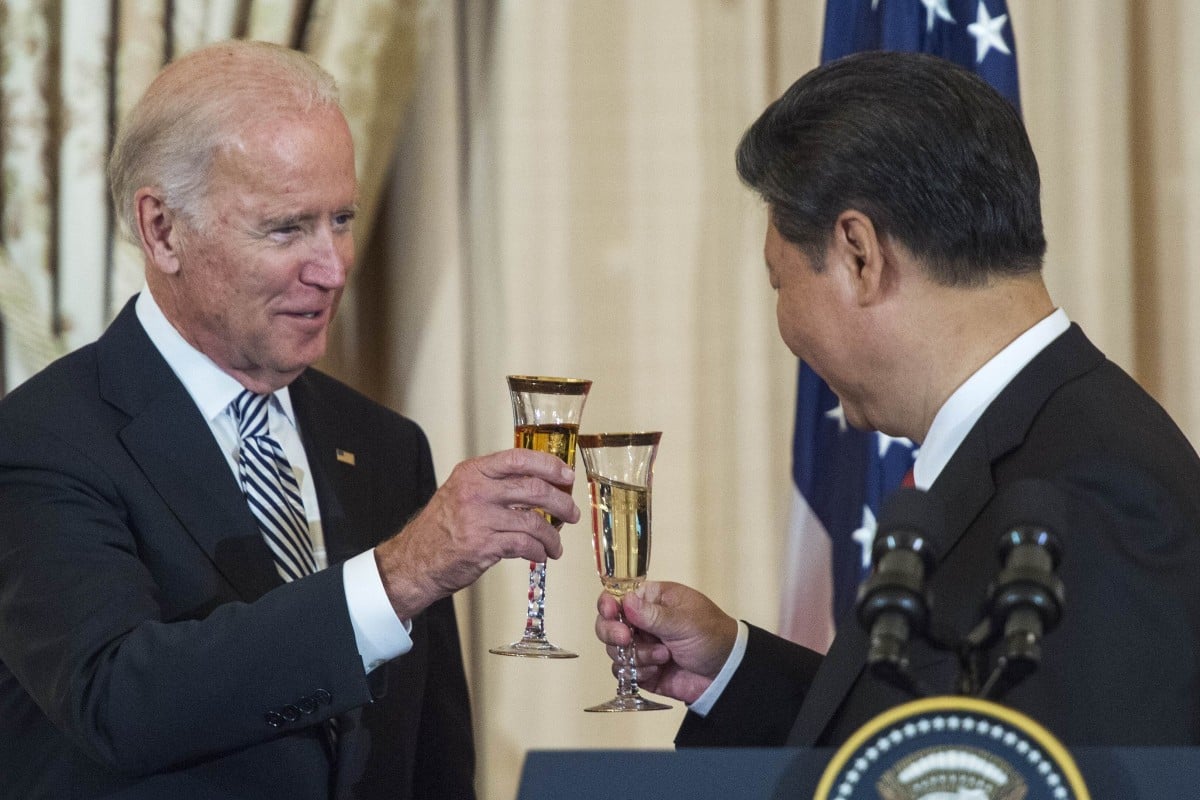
point(145, 638)
point(1123, 666)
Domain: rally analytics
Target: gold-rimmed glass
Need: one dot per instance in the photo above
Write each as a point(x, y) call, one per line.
point(546, 413)
point(620, 468)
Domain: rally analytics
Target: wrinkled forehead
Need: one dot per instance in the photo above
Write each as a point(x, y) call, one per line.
point(290, 159)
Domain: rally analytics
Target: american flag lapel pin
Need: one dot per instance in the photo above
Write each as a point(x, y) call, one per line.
point(345, 456)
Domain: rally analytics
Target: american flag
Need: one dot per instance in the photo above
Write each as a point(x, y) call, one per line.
point(841, 475)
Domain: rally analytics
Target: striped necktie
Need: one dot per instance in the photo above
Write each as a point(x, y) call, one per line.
point(274, 496)
point(271, 489)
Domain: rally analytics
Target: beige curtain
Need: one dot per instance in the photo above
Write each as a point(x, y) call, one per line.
point(561, 199)
point(570, 209)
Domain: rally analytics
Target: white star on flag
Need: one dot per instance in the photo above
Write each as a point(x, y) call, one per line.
point(885, 442)
point(838, 415)
point(986, 30)
point(937, 7)
point(865, 536)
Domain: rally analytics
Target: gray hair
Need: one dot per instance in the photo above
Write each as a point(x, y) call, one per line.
point(199, 104)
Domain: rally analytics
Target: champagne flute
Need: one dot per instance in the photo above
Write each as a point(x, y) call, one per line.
point(619, 470)
point(546, 414)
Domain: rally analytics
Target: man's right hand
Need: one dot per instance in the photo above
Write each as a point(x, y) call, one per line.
point(482, 513)
point(683, 639)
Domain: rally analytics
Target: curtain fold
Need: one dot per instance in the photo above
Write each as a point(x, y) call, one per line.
point(84, 228)
point(27, 287)
point(1164, 205)
point(581, 217)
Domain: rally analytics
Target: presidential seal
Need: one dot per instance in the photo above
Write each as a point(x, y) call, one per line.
point(952, 748)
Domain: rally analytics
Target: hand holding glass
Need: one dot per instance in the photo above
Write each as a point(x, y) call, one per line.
point(546, 414)
point(619, 471)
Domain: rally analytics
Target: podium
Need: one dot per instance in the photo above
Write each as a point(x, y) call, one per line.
point(1122, 773)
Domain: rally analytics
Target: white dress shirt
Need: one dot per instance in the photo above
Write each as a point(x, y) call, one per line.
point(380, 634)
point(951, 425)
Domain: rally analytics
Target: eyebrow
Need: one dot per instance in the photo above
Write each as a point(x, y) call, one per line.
point(296, 219)
point(286, 220)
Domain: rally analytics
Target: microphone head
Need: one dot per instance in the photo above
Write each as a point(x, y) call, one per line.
point(911, 520)
point(1033, 511)
point(893, 604)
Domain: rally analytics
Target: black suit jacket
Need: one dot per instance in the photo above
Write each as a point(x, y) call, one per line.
point(1123, 666)
point(145, 637)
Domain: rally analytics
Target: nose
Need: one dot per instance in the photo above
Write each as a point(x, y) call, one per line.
point(329, 259)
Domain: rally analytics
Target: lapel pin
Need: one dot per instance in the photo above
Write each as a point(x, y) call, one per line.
point(345, 456)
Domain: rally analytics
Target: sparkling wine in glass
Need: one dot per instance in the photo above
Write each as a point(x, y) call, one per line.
point(619, 471)
point(546, 414)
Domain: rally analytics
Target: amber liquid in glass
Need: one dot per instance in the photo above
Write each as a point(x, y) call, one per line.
point(557, 440)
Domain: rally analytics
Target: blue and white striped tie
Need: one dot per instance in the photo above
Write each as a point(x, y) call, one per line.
point(271, 489)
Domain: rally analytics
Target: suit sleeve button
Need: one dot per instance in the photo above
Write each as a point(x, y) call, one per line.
point(322, 696)
point(290, 712)
point(275, 719)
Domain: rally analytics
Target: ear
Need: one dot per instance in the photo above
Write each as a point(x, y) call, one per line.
point(157, 230)
point(858, 251)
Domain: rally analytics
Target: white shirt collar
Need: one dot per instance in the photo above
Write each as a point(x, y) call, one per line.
point(210, 387)
point(966, 405)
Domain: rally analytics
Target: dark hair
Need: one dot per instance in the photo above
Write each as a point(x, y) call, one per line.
point(933, 155)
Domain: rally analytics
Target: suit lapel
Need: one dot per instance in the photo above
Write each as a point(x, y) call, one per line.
point(174, 448)
point(340, 484)
point(965, 486)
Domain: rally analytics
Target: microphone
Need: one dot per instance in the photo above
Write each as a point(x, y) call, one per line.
point(892, 605)
point(1026, 599)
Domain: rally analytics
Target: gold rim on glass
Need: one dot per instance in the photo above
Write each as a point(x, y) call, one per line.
point(594, 440)
point(547, 385)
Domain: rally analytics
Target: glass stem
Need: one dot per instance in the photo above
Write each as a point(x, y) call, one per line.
point(535, 614)
point(627, 681)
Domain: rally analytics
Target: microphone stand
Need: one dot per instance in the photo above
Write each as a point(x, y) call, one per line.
point(1026, 602)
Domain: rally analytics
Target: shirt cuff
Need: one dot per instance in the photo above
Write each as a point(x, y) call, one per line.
point(380, 634)
point(705, 701)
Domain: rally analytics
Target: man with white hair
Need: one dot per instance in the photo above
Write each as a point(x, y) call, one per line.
point(222, 573)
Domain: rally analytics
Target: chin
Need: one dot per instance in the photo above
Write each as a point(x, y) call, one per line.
point(855, 419)
point(294, 368)
point(289, 369)
point(304, 354)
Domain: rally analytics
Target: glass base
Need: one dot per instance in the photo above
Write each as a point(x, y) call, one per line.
point(632, 703)
point(533, 648)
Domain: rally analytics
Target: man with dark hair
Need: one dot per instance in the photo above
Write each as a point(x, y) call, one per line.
point(224, 574)
point(904, 240)
point(954, 177)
